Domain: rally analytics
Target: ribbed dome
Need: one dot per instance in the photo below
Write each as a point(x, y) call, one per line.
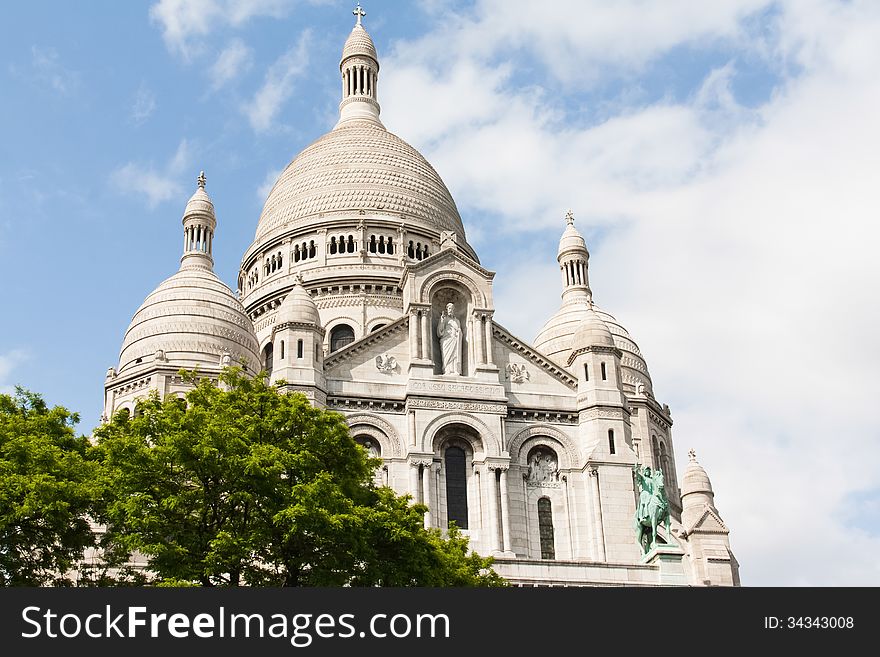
point(298, 306)
point(359, 43)
point(193, 318)
point(556, 339)
point(359, 165)
point(592, 331)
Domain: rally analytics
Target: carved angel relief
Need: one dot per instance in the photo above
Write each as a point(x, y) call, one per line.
point(517, 373)
point(386, 363)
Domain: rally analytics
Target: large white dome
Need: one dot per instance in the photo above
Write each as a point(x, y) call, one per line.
point(359, 165)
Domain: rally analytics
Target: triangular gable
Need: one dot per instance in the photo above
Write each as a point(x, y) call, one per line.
point(445, 256)
point(709, 522)
point(534, 357)
point(390, 340)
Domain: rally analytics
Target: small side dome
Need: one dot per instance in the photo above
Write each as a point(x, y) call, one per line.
point(298, 306)
point(571, 239)
point(360, 43)
point(591, 332)
point(199, 203)
point(695, 479)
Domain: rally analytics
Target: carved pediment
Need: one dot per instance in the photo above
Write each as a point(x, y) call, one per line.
point(535, 360)
point(709, 522)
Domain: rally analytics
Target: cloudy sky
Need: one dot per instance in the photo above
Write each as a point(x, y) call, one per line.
point(721, 158)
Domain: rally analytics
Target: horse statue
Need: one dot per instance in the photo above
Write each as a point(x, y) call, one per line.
point(653, 508)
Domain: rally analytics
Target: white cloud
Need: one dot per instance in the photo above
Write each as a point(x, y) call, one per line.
point(278, 84)
point(231, 62)
point(158, 185)
point(47, 71)
point(185, 23)
point(8, 362)
point(144, 104)
point(738, 243)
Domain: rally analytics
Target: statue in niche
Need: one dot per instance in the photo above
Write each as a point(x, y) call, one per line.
point(371, 447)
point(543, 466)
point(449, 332)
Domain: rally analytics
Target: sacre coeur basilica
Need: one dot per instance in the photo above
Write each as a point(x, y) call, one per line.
point(361, 292)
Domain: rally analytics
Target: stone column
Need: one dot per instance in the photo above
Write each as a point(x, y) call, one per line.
point(478, 342)
point(414, 480)
point(426, 334)
point(492, 502)
point(426, 492)
point(489, 359)
point(525, 486)
point(569, 520)
point(599, 530)
point(505, 511)
point(414, 336)
point(412, 428)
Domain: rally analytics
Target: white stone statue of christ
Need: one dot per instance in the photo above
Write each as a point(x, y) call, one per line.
point(449, 332)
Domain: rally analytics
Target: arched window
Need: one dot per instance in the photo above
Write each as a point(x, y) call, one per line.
point(372, 243)
point(545, 528)
point(268, 358)
point(340, 336)
point(586, 372)
point(312, 250)
point(332, 245)
point(456, 487)
point(282, 350)
point(604, 376)
point(296, 253)
point(299, 348)
point(376, 328)
point(350, 244)
point(611, 446)
point(411, 251)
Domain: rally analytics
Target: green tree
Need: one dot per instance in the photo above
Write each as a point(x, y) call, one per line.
point(243, 484)
point(48, 485)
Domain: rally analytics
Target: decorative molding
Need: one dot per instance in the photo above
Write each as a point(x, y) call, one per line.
point(517, 373)
point(525, 439)
point(604, 412)
point(516, 414)
point(387, 363)
point(452, 405)
point(351, 404)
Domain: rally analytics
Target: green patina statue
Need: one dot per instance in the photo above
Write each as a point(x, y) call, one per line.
point(653, 508)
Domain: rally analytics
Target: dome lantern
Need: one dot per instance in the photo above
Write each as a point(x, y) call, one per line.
point(574, 262)
point(359, 67)
point(199, 223)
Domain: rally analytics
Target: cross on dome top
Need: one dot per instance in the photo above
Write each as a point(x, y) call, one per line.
point(569, 218)
point(692, 455)
point(201, 180)
point(359, 12)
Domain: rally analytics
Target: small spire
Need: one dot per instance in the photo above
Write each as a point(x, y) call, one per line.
point(360, 13)
point(569, 218)
point(692, 455)
point(202, 180)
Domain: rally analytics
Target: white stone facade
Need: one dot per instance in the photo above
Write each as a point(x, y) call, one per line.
point(530, 449)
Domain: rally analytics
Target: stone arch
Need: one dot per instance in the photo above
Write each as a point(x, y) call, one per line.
point(487, 443)
point(336, 321)
point(544, 434)
point(454, 278)
point(377, 428)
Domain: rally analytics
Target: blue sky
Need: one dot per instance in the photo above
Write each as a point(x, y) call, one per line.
point(719, 157)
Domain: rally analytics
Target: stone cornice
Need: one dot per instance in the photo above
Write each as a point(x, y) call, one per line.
point(351, 403)
point(594, 348)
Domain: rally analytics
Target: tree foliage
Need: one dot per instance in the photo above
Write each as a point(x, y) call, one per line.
point(241, 484)
point(48, 484)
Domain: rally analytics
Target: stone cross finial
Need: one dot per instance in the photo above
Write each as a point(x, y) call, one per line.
point(297, 279)
point(202, 180)
point(692, 455)
point(360, 13)
point(569, 218)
